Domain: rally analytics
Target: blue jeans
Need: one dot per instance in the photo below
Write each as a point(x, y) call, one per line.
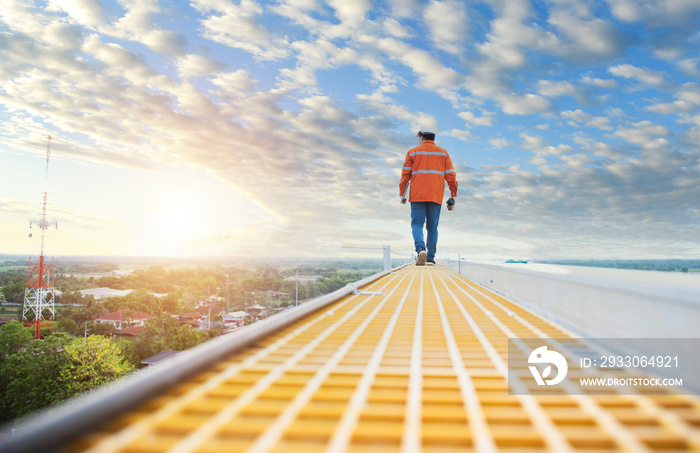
point(425, 212)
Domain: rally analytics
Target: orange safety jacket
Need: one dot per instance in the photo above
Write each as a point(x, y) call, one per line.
point(428, 167)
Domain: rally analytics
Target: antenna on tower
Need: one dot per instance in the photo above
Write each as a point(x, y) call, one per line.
point(39, 291)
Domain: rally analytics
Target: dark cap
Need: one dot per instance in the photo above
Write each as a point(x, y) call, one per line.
point(426, 135)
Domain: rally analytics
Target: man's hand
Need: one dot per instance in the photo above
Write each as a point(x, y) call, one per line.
point(403, 200)
point(450, 204)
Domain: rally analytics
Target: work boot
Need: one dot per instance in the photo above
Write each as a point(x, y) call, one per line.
point(421, 258)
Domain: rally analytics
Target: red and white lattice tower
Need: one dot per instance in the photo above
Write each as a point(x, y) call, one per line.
point(39, 292)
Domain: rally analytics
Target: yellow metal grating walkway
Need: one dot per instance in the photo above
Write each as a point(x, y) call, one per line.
point(417, 361)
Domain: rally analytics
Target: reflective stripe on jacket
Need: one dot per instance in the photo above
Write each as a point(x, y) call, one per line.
point(428, 167)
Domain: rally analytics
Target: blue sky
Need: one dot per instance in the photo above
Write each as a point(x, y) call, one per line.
point(218, 127)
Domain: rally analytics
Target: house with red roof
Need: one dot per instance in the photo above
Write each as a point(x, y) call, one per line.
point(213, 309)
point(125, 318)
point(194, 319)
point(128, 332)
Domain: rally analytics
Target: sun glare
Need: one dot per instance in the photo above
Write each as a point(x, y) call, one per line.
point(181, 222)
point(170, 218)
point(173, 223)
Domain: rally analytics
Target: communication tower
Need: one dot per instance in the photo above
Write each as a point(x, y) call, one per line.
point(39, 291)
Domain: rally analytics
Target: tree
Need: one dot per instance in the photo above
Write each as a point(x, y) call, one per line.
point(190, 296)
point(48, 371)
point(71, 297)
point(185, 338)
point(91, 309)
point(154, 338)
point(171, 303)
point(210, 285)
point(14, 293)
point(32, 376)
point(13, 337)
point(90, 363)
point(98, 328)
point(68, 326)
point(235, 298)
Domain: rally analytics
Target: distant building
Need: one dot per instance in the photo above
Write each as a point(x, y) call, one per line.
point(193, 319)
point(159, 358)
point(214, 310)
point(206, 323)
point(236, 315)
point(105, 293)
point(209, 301)
point(4, 321)
point(257, 311)
point(128, 332)
point(303, 278)
point(121, 319)
point(235, 319)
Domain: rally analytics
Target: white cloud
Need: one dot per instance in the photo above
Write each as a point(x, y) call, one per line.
point(163, 41)
point(404, 8)
point(116, 58)
point(62, 37)
point(556, 88)
point(88, 13)
point(235, 26)
point(690, 93)
point(616, 112)
point(431, 73)
point(678, 17)
point(645, 76)
point(299, 12)
point(690, 66)
point(532, 142)
point(485, 120)
point(655, 12)
point(509, 36)
point(193, 65)
point(137, 24)
point(600, 122)
point(582, 36)
point(387, 107)
point(502, 52)
point(679, 106)
point(459, 134)
point(605, 151)
point(325, 111)
point(448, 24)
point(687, 101)
point(643, 133)
point(352, 12)
point(514, 104)
point(577, 115)
point(321, 54)
point(395, 29)
point(600, 83)
point(235, 82)
point(499, 142)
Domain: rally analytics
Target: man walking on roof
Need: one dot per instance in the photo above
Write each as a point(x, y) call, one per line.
point(427, 167)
